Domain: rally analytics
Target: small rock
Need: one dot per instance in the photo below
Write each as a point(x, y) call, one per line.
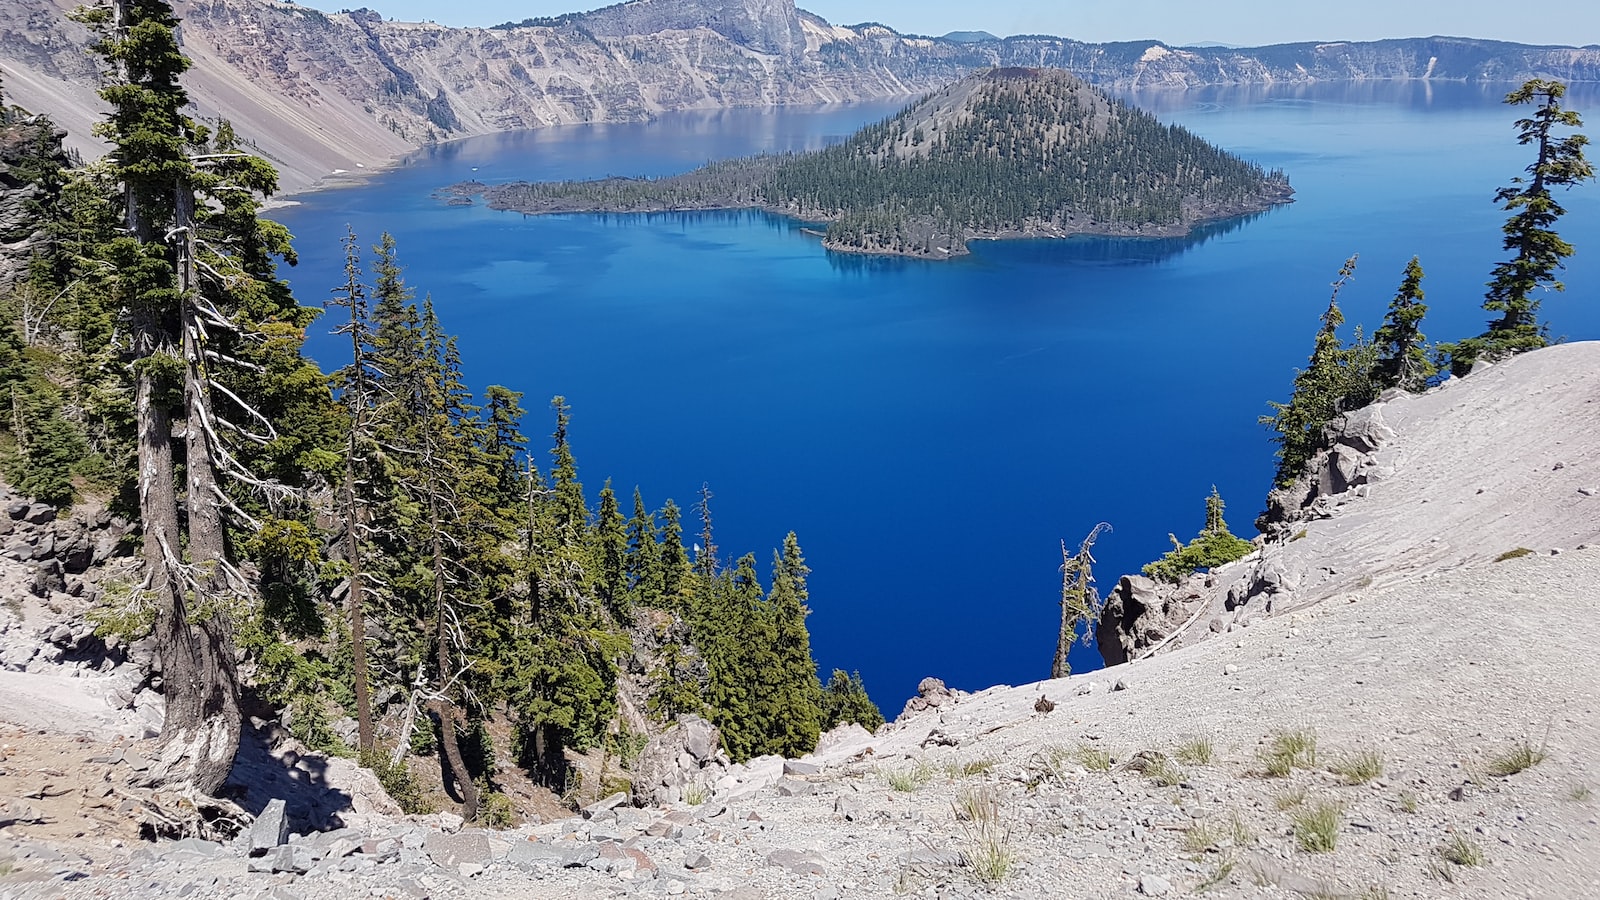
point(696, 862)
point(1044, 705)
point(1154, 886)
point(451, 850)
point(1121, 685)
point(795, 861)
point(848, 807)
point(450, 823)
point(796, 767)
point(789, 787)
point(40, 514)
point(606, 805)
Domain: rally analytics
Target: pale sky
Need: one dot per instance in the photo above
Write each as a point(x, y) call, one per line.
point(1240, 22)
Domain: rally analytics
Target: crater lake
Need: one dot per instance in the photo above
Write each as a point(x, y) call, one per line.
point(932, 431)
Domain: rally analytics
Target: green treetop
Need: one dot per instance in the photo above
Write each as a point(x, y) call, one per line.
point(1402, 358)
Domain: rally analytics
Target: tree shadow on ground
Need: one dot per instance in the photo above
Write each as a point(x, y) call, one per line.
point(261, 774)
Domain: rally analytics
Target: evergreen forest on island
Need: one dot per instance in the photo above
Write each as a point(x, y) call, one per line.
point(1004, 152)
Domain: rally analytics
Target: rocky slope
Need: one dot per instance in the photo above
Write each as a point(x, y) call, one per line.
point(1453, 702)
point(1412, 486)
point(326, 94)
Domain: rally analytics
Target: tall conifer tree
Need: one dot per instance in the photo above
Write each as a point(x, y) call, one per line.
point(1402, 357)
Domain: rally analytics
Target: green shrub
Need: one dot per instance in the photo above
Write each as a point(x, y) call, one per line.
point(399, 783)
point(1215, 546)
point(496, 811)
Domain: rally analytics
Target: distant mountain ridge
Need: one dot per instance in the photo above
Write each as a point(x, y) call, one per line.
point(322, 92)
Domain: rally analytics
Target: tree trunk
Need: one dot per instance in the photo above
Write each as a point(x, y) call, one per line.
point(354, 603)
point(452, 754)
point(443, 706)
point(200, 735)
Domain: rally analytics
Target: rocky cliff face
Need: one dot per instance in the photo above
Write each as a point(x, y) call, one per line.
point(321, 93)
point(765, 26)
point(1505, 460)
point(26, 145)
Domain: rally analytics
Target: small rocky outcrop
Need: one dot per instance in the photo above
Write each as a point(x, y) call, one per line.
point(687, 755)
point(931, 694)
point(1143, 615)
point(25, 145)
point(49, 568)
point(1345, 466)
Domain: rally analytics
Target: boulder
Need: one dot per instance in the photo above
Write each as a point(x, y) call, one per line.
point(270, 829)
point(689, 752)
point(449, 851)
point(931, 694)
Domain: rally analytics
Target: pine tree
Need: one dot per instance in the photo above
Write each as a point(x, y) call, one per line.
point(357, 383)
point(1530, 230)
point(705, 552)
point(611, 555)
point(643, 570)
point(1335, 380)
point(563, 689)
point(1402, 359)
point(675, 566)
point(797, 703)
point(1214, 546)
point(208, 325)
point(1080, 601)
point(845, 699)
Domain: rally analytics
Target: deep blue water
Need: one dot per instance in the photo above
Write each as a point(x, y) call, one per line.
point(933, 431)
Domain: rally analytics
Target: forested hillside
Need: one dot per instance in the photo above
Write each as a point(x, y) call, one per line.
point(1006, 152)
point(377, 555)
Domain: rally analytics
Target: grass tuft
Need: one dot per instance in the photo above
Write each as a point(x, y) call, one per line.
point(977, 804)
point(909, 778)
point(1093, 759)
point(1290, 799)
point(969, 768)
point(1216, 878)
point(1461, 851)
point(1196, 752)
point(1359, 767)
point(1408, 802)
point(1203, 837)
point(695, 794)
point(1316, 826)
point(1518, 553)
point(1290, 750)
point(1519, 757)
point(1163, 772)
point(1580, 793)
